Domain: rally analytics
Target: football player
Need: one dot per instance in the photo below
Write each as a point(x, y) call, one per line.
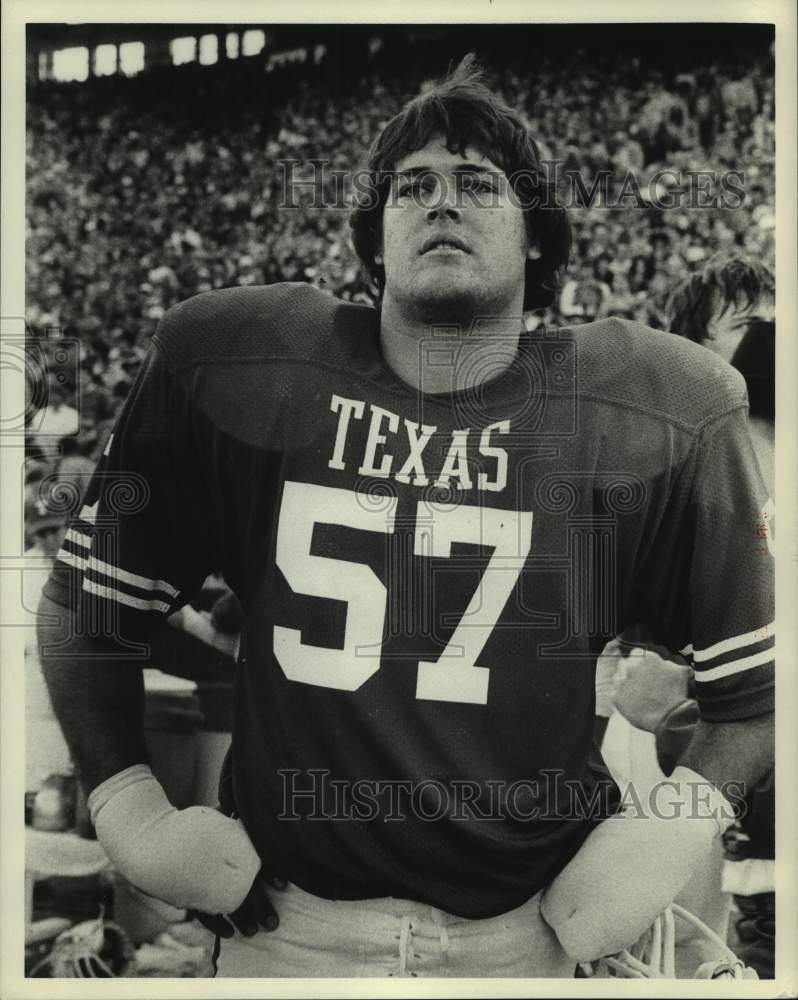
point(716, 305)
point(651, 687)
point(434, 521)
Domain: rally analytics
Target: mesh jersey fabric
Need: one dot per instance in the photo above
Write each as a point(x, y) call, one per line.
point(427, 580)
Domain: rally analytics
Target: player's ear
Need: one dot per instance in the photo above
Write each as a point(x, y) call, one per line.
point(378, 258)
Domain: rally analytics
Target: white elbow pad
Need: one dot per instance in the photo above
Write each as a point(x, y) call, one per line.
point(633, 865)
point(193, 858)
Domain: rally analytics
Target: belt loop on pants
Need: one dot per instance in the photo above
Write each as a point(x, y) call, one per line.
point(404, 942)
point(439, 919)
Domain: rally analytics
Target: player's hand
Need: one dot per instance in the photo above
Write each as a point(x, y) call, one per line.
point(256, 912)
point(647, 684)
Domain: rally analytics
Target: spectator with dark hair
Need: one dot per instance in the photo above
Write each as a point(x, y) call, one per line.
point(714, 306)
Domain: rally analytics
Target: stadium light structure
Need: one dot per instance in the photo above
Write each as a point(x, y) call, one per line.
point(71, 64)
point(208, 50)
point(131, 58)
point(252, 42)
point(106, 60)
point(232, 44)
point(184, 50)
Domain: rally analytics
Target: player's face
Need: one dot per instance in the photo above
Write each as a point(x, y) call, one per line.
point(454, 237)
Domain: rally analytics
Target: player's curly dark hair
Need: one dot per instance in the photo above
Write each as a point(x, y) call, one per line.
point(725, 280)
point(468, 114)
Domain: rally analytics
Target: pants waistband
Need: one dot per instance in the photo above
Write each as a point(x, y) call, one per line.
point(392, 907)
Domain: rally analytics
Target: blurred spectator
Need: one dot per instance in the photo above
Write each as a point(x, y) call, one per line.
point(45, 528)
point(55, 420)
point(584, 297)
point(73, 468)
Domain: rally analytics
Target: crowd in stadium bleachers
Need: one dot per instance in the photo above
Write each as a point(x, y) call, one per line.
point(145, 191)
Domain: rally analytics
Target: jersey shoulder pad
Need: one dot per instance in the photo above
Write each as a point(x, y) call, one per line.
point(285, 319)
point(666, 375)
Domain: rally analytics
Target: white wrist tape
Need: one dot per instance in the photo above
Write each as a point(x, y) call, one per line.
point(193, 858)
point(633, 865)
point(749, 877)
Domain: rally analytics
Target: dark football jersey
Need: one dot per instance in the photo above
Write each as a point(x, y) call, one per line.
point(427, 579)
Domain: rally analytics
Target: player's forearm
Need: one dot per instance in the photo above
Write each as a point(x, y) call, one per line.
point(98, 701)
point(740, 752)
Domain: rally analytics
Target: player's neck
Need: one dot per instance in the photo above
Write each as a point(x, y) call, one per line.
point(446, 356)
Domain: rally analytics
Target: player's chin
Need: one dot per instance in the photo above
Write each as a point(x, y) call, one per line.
point(446, 292)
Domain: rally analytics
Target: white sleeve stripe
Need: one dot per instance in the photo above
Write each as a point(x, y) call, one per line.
point(123, 576)
point(736, 642)
point(736, 654)
point(112, 572)
point(84, 541)
point(735, 667)
point(688, 650)
point(89, 514)
point(121, 598)
point(79, 562)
